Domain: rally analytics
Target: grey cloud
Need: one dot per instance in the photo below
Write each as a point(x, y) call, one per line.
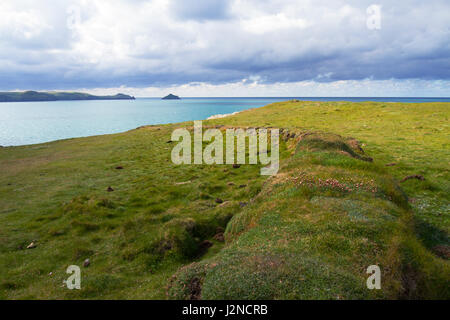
point(158, 48)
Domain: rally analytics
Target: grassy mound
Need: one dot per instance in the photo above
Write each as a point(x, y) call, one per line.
point(312, 232)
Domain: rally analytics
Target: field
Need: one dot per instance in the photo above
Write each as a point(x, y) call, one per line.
point(155, 230)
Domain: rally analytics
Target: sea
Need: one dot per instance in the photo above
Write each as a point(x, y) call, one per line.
point(24, 123)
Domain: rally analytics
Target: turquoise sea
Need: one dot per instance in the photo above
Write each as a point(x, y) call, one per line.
point(23, 123)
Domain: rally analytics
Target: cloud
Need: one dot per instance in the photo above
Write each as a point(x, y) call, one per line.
point(200, 10)
point(164, 43)
point(251, 87)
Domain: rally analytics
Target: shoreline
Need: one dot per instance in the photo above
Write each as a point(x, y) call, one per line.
point(220, 116)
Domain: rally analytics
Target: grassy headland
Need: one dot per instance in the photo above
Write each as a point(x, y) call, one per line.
point(56, 96)
point(309, 232)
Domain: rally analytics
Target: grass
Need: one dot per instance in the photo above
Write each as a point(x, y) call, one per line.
point(309, 232)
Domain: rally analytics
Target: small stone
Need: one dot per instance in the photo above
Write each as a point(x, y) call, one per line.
point(219, 237)
point(86, 263)
point(32, 245)
point(225, 204)
point(182, 183)
point(218, 200)
point(236, 166)
point(110, 189)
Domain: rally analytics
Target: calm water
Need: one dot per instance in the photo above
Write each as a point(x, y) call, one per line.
point(35, 122)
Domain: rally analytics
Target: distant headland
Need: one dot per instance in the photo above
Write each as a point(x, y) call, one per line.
point(171, 97)
point(56, 96)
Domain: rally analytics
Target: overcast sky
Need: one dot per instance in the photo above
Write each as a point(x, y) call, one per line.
point(227, 48)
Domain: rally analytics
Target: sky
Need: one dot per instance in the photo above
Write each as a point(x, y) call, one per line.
point(227, 48)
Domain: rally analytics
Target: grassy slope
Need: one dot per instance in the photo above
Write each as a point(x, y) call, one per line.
point(313, 238)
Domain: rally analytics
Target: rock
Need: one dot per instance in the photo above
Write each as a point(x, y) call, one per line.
point(225, 203)
point(110, 189)
point(236, 166)
point(119, 168)
point(171, 97)
point(32, 245)
point(219, 237)
point(218, 200)
point(86, 263)
point(242, 204)
point(182, 183)
point(414, 176)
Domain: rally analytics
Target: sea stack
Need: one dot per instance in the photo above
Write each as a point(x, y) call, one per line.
point(171, 97)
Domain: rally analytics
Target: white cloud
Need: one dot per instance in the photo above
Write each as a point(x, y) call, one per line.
point(251, 88)
point(272, 23)
point(148, 43)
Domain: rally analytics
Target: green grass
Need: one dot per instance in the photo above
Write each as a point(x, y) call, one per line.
point(293, 240)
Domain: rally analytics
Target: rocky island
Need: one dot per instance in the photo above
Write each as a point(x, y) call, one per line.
point(171, 97)
point(56, 96)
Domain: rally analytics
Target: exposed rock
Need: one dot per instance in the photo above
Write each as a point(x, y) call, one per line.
point(171, 97)
point(182, 183)
point(219, 237)
point(225, 203)
point(32, 245)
